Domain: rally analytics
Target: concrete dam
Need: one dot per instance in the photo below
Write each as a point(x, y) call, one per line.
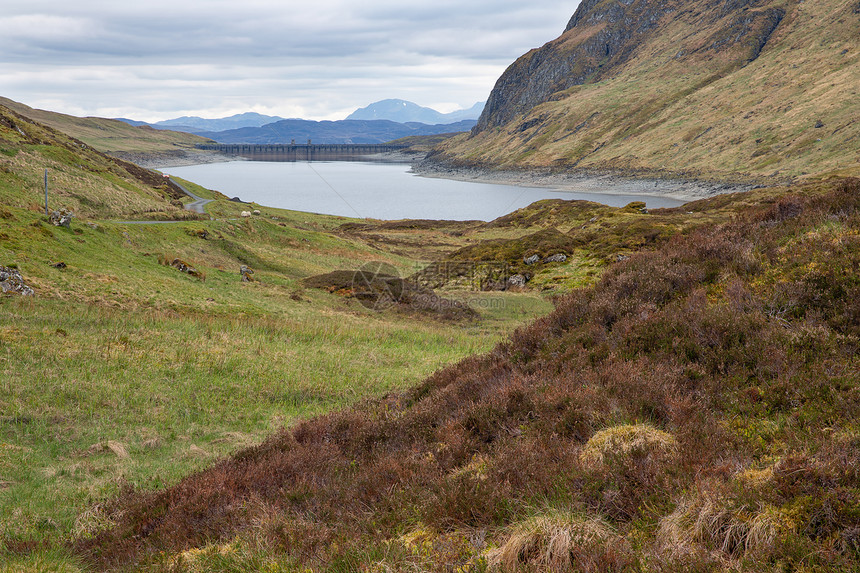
point(303, 152)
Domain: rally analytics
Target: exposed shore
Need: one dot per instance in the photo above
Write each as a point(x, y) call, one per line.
point(178, 159)
point(580, 182)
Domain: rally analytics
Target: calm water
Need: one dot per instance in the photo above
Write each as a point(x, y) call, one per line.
point(377, 190)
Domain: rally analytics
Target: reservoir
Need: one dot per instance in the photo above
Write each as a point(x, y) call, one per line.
point(379, 190)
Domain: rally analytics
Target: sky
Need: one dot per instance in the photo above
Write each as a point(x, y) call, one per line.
point(152, 60)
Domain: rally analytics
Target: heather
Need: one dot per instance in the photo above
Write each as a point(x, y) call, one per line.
point(695, 410)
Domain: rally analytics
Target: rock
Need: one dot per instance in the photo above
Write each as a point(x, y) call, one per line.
point(532, 260)
point(517, 281)
point(246, 272)
point(61, 218)
point(819, 124)
point(620, 258)
point(12, 282)
point(184, 267)
point(557, 258)
point(59, 265)
point(246, 214)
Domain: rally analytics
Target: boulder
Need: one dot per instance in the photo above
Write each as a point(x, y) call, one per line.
point(61, 218)
point(532, 260)
point(557, 258)
point(517, 281)
point(245, 272)
point(184, 267)
point(12, 282)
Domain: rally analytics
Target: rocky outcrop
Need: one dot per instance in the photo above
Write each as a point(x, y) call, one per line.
point(604, 34)
point(61, 218)
point(12, 282)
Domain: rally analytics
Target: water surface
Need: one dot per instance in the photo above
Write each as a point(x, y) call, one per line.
point(378, 190)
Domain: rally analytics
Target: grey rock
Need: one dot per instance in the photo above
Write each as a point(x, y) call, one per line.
point(557, 258)
point(12, 282)
point(61, 218)
point(532, 260)
point(245, 272)
point(517, 281)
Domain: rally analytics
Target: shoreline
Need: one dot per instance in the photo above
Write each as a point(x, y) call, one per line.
point(581, 182)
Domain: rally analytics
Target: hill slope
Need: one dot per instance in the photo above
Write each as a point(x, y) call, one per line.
point(760, 87)
point(112, 136)
point(81, 179)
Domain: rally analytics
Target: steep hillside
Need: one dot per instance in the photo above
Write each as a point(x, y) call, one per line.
point(81, 179)
point(704, 87)
point(112, 136)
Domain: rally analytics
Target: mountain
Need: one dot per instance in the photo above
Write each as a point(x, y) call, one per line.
point(703, 87)
point(344, 131)
point(403, 111)
point(199, 124)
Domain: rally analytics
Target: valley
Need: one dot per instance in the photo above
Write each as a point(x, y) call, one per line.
point(570, 386)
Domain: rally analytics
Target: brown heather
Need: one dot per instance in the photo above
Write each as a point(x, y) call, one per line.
point(716, 378)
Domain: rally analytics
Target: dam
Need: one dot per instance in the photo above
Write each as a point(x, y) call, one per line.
point(303, 152)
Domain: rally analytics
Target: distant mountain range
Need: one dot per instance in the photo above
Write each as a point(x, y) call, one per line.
point(343, 131)
point(379, 122)
point(403, 111)
point(391, 110)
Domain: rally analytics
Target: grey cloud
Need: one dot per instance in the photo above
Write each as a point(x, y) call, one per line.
point(219, 56)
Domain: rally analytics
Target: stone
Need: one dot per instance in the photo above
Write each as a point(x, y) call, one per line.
point(557, 258)
point(532, 260)
point(819, 124)
point(245, 272)
point(61, 218)
point(517, 281)
point(12, 282)
point(184, 267)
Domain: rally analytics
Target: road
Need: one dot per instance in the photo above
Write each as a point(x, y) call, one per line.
point(199, 202)
point(198, 206)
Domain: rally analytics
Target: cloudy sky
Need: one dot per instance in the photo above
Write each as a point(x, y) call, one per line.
point(322, 59)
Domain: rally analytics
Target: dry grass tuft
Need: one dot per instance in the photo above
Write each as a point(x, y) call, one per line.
point(563, 542)
point(629, 441)
point(713, 522)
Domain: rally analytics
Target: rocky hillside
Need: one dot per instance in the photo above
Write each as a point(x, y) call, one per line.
point(708, 87)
